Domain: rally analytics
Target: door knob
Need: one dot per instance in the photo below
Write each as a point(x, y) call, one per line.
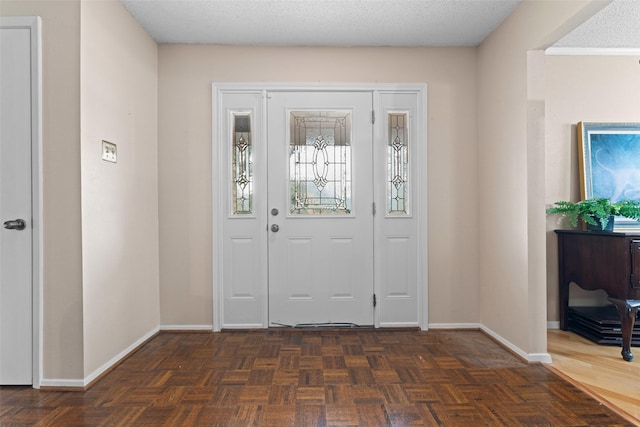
point(16, 224)
point(275, 228)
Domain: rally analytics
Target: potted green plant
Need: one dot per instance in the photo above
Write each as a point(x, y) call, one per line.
point(596, 212)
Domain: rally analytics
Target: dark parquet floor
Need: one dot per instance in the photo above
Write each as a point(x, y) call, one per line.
point(340, 377)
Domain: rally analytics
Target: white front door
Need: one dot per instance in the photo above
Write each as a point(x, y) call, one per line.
point(320, 202)
point(15, 207)
point(299, 173)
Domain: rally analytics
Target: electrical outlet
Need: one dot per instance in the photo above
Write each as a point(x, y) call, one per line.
point(109, 151)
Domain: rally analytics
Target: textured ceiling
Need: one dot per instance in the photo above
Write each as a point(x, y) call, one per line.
point(322, 22)
point(362, 22)
point(615, 26)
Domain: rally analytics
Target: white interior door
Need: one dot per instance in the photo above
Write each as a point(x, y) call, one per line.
point(15, 207)
point(320, 208)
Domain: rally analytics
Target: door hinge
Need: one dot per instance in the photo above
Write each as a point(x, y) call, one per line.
point(373, 208)
point(373, 116)
point(375, 300)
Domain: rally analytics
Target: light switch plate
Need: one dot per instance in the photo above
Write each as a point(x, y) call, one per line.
point(109, 151)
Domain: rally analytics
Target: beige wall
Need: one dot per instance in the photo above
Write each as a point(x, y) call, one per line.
point(100, 285)
point(119, 85)
point(512, 240)
point(185, 75)
point(62, 299)
point(576, 91)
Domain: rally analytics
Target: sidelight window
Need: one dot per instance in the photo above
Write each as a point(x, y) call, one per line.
point(397, 164)
point(242, 167)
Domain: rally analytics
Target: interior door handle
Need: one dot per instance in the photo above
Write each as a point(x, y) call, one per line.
point(275, 228)
point(16, 224)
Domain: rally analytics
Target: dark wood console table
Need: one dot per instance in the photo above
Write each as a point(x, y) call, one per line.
point(600, 260)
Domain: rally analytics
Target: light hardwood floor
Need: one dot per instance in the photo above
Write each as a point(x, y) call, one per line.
point(599, 370)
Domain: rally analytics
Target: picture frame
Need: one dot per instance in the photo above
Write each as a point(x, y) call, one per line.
point(609, 157)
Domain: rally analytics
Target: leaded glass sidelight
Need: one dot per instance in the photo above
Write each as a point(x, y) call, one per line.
point(242, 175)
point(320, 162)
point(398, 165)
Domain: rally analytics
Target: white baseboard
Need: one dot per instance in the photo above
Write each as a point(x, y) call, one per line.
point(45, 382)
point(553, 324)
point(48, 382)
point(186, 328)
point(529, 357)
point(455, 326)
point(124, 353)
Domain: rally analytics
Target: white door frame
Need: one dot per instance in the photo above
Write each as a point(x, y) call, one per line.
point(219, 180)
point(33, 23)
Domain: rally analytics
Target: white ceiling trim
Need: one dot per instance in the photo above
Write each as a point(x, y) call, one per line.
point(592, 51)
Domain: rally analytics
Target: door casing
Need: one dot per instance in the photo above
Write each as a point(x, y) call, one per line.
point(221, 89)
point(33, 23)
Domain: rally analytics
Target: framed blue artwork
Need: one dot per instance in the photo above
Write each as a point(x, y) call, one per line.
point(610, 163)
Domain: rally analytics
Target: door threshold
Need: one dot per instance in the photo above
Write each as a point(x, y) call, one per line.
point(332, 326)
point(326, 325)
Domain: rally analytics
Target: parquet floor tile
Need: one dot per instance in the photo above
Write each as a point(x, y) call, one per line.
point(294, 377)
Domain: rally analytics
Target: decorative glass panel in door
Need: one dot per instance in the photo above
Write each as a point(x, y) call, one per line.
point(398, 164)
point(242, 168)
point(320, 162)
